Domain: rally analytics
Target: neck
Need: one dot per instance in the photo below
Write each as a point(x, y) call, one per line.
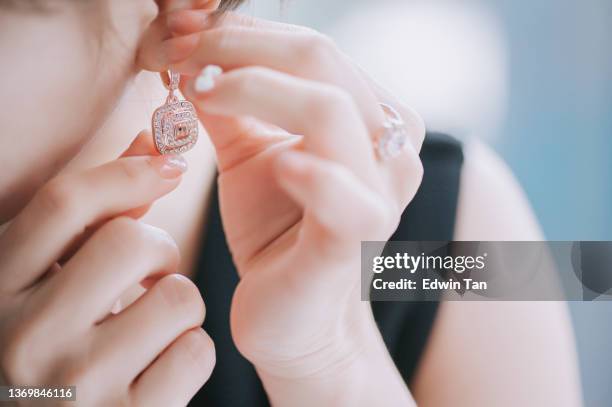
point(181, 212)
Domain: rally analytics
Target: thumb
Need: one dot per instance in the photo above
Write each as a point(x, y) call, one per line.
point(141, 145)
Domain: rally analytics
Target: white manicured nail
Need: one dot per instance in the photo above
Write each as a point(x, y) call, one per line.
point(204, 84)
point(206, 79)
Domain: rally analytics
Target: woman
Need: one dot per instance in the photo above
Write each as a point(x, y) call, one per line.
point(294, 210)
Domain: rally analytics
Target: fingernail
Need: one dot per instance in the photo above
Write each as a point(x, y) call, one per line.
point(205, 81)
point(160, 235)
point(170, 166)
point(196, 343)
point(116, 307)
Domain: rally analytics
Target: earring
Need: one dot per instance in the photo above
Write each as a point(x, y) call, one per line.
point(175, 123)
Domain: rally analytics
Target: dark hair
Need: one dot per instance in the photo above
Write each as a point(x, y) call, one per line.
point(229, 4)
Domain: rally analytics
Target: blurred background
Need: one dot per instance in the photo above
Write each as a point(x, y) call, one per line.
point(532, 79)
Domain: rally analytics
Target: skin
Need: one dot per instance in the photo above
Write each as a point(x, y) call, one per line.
point(294, 240)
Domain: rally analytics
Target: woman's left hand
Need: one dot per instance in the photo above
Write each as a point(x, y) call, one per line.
point(296, 208)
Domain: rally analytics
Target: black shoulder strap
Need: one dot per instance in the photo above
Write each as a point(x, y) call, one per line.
point(405, 326)
point(431, 215)
point(234, 381)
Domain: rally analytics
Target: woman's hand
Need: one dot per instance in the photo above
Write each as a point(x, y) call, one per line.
point(56, 325)
point(294, 123)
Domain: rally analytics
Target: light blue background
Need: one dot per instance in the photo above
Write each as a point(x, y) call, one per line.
point(558, 140)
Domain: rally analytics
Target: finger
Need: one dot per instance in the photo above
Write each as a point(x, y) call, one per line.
point(69, 204)
point(415, 126)
point(189, 21)
point(234, 20)
point(336, 203)
point(221, 45)
point(137, 335)
point(142, 145)
point(326, 116)
point(308, 44)
point(177, 375)
point(305, 54)
point(158, 47)
point(158, 56)
point(183, 22)
point(122, 253)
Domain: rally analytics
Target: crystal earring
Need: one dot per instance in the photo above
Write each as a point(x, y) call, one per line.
point(175, 123)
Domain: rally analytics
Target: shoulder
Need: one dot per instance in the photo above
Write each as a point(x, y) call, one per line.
point(466, 339)
point(491, 204)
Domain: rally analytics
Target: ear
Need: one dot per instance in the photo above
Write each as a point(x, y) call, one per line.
point(162, 45)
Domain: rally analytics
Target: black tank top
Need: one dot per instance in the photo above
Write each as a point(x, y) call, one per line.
point(405, 326)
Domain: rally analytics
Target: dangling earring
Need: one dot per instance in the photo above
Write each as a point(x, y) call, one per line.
point(175, 123)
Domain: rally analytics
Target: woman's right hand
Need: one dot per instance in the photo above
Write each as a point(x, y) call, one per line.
point(67, 258)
